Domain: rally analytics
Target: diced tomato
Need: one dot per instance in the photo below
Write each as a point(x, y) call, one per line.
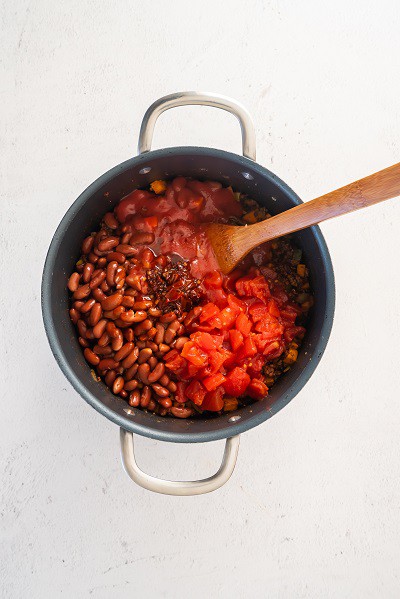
point(230, 280)
point(273, 308)
point(213, 381)
point(151, 221)
point(213, 280)
point(236, 382)
point(209, 311)
point(196, 392)
point(236, 304)
point(215, 322)
point(249, 348)
point(273, 350)
point(193, 354)
point(255, 366)
point(235, 338)
point(217, 359)
point(206, 341)
point(258, 311)
point(180, 394)
point(257, 389)
point(227, 317)
point(259, 288)
point(243, 286)
point(174, 361)
point(213, 400)
point(243, 324)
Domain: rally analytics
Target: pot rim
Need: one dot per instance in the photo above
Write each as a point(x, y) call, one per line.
point(125, 422)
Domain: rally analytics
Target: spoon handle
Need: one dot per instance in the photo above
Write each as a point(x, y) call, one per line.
point(375, 188)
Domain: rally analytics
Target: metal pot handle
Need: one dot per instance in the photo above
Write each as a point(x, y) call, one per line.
point(169, 487)
point(203, 99)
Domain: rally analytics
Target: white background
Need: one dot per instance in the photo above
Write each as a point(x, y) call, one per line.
point(313, 507)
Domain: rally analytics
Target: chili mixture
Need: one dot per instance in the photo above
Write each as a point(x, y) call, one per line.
point(162, 326)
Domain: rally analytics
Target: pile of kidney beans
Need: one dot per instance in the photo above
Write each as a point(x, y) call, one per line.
point(161, 325)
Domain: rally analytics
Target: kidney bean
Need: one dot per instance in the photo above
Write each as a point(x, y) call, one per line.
point(117, 342)
point(128, 316)
point(79, 267)
point(144, 355)
point(152, 362)
point(168, 317)
point(161, 261)
point(83, 342)
point(145, 397)
point(98, 280)
point(108, 364)
point(152, 405)
point(143, 304)
point(117, 256)
point(73, 281)
point(118, 385)
point(110, 377)
point(124, 351)
point(126, 249)
point(131, 372)
point(126, 238)
point(162, 411)
point(172, 387)
point(160, 331)
point(129, 334)
point(82, 328)
point(157, 373)
point(164, 380)
point(130, 292)
point(131, 385)
point(110, 273)
point(98, 294)
point(133, 280)
point(99, 328)
point(170, 333)
point(91, 357)
point(128, 301)
point(165, 402)
point(105, 286)
point(140, 344)
point(88, 305)
point(78, 305)
point(163, 348)
point(181, 412)
point(160, 390)
point(101, 262)
point(81, 292)
point(108, 243)
point(112, 330)
point(92, 258)
point(87, 272)
point(104, 340)
point(118, 311)
point(95, 314)
point(123, 394)
point(193, 314)
point(119, 275)
point(112, 301)
point(131, 357)
point(141, 238)
point(74, 315)
point(142, 327)
point(110, 220)
point(151, 334)
point(154, 312)
point(147, 258)
point(87, 244)
point(134, 399)
point(180, 342)
point(180, 330)
point(151, 345)
point(102, 351)
point(143, 372)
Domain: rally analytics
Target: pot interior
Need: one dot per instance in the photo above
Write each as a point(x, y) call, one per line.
point(84, 216)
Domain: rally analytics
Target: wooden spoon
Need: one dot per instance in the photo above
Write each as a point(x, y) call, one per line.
point(231, 243)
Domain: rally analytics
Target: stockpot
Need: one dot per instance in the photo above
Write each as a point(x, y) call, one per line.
point(244, 174)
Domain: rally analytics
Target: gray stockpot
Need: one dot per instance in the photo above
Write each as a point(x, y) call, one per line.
point(243, 174)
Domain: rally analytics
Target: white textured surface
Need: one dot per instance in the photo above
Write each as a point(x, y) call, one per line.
point(313, 508)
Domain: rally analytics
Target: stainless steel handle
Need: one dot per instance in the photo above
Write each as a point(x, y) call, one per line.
point(169, 487)
point(203, 99)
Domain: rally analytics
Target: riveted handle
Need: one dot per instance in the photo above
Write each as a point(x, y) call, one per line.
point(202, 99)
point(169, 487)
